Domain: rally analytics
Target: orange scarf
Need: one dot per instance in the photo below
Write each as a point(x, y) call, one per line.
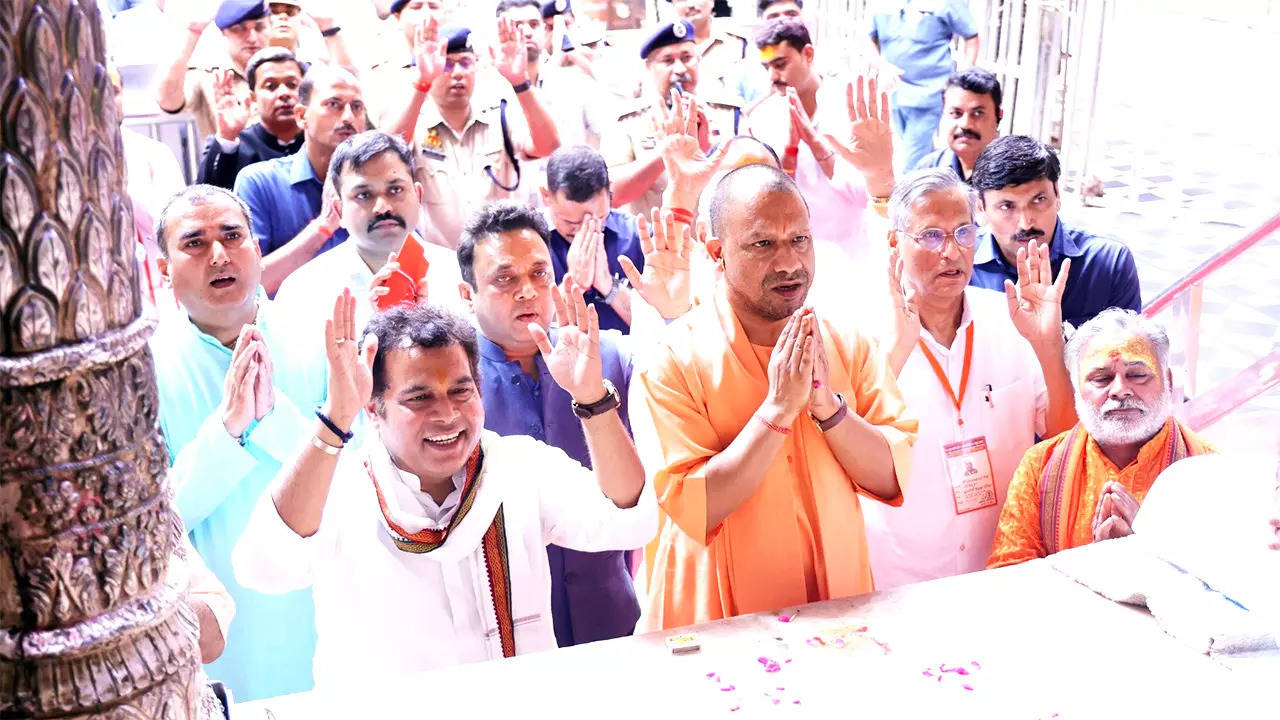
point(1066, 474)
point(494, 543)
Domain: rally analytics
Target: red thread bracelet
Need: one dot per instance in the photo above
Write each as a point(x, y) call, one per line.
point(774, 426)
point(792, 151)
point(422, 87)
point(681, 215)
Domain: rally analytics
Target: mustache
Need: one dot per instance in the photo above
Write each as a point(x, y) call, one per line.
point(345, 126)
point(386, 216)
point(770, 281)
point(1126, 404)
point(966, 132)
point(1024, 235)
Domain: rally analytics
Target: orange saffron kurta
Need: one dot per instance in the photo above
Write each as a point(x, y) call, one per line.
point(800, 536)
point(1019, 535)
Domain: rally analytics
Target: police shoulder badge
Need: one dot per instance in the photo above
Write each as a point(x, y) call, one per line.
point(432, 146)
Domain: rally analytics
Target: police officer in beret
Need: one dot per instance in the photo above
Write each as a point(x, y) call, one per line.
point(631, 146)
point(468, 147)
point(246, 25)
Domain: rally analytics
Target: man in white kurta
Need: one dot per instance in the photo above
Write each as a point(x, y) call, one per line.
point(373, 175)
point(1000, 381)
point(427, 548)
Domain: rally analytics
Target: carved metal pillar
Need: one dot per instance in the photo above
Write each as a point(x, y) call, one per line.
point(89, 628)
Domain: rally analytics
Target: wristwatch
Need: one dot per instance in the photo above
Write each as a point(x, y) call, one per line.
point(599, 407)
point(836, 417)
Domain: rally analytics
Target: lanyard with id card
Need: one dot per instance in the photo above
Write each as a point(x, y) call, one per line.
point(967, 462)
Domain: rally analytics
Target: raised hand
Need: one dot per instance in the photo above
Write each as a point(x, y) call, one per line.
point(904, 325)
point(230, 111)
point(684, 156)
point(869, 147)
point(200, 13)
point(791, 369)
point(510, 59)
point(1113, 517)
point(330, 218)
point(264, 392)
point(350, 373)
point(319, 13)
point(238, 408)
point(664, 284)
point(429, 54)
point(574, 362)
point(1035, 303)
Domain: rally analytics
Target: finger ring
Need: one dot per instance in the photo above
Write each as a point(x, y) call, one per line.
point(339, 341)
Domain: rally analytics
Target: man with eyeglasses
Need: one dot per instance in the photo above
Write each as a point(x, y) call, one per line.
point(468, 149)
point(983, 372)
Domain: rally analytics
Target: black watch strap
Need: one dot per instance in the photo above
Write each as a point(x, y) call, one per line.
point(610, 401)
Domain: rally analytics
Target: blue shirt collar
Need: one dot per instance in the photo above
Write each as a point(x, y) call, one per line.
point(491, 351)
point(1065, 243)
point(299, 169)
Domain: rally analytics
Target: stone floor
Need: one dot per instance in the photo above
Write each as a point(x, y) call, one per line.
point(1188, 150)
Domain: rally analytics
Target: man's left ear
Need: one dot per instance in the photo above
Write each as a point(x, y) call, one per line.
point(807, 53)
point(715, 249)
point(981, 212)
point(417, 186)
point(162, 264)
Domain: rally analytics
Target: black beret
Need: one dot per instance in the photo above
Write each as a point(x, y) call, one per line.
point(552, 8)
point(231, 12)
point(459, 39)
point(670, 34)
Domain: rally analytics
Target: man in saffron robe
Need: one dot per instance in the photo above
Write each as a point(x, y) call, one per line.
point(1086, 484)
point(770, 422)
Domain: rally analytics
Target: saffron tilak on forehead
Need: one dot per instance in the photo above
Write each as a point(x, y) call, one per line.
point(768, 53)
point(1132, 350)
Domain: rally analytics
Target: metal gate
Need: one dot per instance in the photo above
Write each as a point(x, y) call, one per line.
point(1047, 54)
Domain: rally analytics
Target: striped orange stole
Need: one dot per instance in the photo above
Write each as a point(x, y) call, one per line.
point(494, 545)
point(1065, 473)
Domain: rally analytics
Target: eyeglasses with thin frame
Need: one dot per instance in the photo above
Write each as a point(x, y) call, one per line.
point(932, 239)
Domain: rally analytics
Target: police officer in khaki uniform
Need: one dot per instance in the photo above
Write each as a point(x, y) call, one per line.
point(247, 27)
point(245, 24)
point(723, 50)
point(468, 148)
point(631, 146)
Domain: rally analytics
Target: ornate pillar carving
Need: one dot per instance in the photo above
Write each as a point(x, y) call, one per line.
point(89, 627)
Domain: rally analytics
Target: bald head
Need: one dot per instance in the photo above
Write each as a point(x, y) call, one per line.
point(744, 186)
point(760, 237)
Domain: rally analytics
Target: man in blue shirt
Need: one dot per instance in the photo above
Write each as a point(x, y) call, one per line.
point(229, 425)
point(508, 278)
point(970, 121)
point(1016, 178)
point(578, 205)
point(916, 41)
point(295, 213)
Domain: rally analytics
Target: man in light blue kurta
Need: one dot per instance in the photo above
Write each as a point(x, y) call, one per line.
point(215, 266)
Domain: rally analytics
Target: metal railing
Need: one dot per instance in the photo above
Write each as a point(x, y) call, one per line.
point(1185, 299)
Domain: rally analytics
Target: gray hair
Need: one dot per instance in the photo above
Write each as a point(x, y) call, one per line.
point(915, 186)
point(197, 195)
point(1117, 319)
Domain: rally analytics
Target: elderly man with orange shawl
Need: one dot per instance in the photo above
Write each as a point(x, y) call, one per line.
point(1086, 484)
point(771, 422)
